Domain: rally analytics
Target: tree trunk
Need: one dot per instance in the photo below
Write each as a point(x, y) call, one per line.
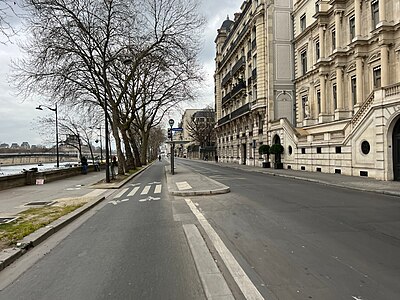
point(136, 153)
point(120, 154)
point(130, 162)
point(145, 144)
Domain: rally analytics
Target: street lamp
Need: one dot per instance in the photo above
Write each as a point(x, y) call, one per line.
point(101, 146)
point(55, 110)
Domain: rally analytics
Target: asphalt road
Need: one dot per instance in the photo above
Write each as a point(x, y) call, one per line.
point(131, 248)
point(302, 240)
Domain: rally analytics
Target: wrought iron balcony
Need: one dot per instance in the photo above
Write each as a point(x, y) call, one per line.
point(226, 98)
point(226, 78)
point(238, 87)
point(241, 111)
point(239, 64)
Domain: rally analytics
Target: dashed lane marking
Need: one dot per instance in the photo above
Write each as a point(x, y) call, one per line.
point(157, 190)
point(145, 190)
point(121, 193)
point(133, 192)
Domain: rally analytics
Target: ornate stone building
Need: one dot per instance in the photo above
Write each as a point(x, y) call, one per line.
point(253, 78)
point(347, 82)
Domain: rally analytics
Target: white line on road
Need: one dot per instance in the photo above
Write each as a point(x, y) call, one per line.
point(157, 190)
point(120, 193)
point(243, 281)
point(183, 185)
point(133, 192)
point(145, 190)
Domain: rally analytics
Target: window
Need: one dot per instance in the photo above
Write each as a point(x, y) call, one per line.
point(317, 6)
point(317, 50)
point(304, 105)
point(334, 95)
point(377, 77)
point(319, 150)
point(319, 100)
point(303, 59)
point(303, 150)
point(375, 13)
point(365, 147)
point(303, 22)
point(352, 27)
point(333, 36)
point(338, 149)
point(354, 89)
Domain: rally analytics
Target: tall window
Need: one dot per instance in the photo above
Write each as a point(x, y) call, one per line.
point(377, 77)
point(334, 96)
point(352, 27)
point(303, 22)
point(317, 50)
point(375, 13)
point(319, 101)
point(333, 37)
point(303, 57)
point(353, 89)
point(304, 105)
point(317, 6)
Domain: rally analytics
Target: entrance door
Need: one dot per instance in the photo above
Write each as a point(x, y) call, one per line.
point(396, 151)
point(244, 154)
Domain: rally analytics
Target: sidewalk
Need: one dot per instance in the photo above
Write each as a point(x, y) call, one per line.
point(351, 182)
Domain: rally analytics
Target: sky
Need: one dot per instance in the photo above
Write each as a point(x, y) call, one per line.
point(18, 116)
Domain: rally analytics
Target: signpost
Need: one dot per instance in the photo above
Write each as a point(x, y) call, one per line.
point(171, 123)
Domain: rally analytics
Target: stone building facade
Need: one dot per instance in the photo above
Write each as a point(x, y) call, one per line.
point(253, 78)
point(347, 89)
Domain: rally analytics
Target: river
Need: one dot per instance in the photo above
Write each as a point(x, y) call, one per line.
point(17, 169)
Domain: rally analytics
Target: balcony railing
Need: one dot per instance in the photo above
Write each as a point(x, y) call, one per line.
point(240, 111)
point(239, 64)
point(226, 78)
point(226, 97)
point(238, 87)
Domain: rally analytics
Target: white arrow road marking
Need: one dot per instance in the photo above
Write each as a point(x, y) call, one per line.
point(149, 199)
point(135, 184)
point(157, 190)
point(145, 190)
point(133, 192)
point(114, 202)
point(121, 193)
point(243, 281)
point(356, 298)
point(155, 182)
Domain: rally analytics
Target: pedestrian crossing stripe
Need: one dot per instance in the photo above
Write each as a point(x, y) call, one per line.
point(121, 193)
point(133, 192)
point(157, 190)
point(145, 190)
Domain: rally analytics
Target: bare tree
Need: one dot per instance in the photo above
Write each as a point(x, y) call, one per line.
point(8, 11)
point(79, 49)
point(201, 127)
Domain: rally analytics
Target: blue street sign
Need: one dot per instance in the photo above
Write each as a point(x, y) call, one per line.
point(177, 129)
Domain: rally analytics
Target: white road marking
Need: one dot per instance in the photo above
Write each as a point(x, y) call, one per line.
point(145, 190)
point(149, 199)
point(95, 193)
point(157, 190)
point(133, 192)
point(243, 281)
point(183, 185)
point(124, 200)
point(114, 202)
point(135, 184)
point(120, 193)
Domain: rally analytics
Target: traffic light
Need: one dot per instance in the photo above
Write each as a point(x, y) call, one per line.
point(169, 133)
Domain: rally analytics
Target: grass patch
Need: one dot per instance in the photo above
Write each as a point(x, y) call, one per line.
point(31, 220)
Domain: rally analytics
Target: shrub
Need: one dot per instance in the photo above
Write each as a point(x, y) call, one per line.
point(264, 149)
point(276, 149)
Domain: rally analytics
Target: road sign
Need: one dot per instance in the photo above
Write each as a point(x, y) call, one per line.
point(177, 129)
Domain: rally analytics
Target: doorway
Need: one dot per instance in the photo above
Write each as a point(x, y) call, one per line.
point(396, 151)
point(244, 154)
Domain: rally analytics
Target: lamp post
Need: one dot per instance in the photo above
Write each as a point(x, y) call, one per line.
point(56, 111)
point(101, 146)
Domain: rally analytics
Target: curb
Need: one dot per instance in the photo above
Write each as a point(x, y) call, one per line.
point(224, 190)
point(8, 256)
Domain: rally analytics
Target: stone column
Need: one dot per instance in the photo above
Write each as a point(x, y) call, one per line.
point(337, 29)
point(322, 41)
point(384, 65)
point(323, 94)
point(359, 81)
point(382, 11)
point(339, 88)
point(357, 16)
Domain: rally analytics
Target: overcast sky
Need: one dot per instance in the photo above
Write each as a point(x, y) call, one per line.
point(18, 116)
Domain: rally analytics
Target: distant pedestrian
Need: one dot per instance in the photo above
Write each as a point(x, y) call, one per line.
point(159, 157)
point(84, 164)
point(114, 164)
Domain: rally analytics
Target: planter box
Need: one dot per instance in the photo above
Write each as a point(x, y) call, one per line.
point(266, 164)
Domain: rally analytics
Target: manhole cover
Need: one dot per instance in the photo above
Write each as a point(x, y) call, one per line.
point(40, 203)
point(5, 220)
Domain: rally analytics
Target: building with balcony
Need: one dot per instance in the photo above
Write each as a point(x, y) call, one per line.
point(253, 78)
point(347, 89)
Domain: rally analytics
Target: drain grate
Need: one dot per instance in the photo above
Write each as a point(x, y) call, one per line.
point(6, 220)
point(40, 203)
